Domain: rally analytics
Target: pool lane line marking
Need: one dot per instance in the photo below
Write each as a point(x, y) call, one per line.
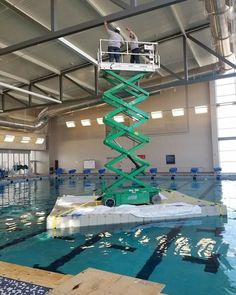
point(69, 256)
point(122, 248)
point(211, 264)
point(21, 239)
point(203, 195)
point(157, 255)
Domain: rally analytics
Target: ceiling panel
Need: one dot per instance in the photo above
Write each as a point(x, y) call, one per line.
point(56, 54)
point(22, 68)
point(14, 28)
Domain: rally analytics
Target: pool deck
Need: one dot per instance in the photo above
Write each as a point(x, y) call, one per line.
point(91, 281)
point(73, 212)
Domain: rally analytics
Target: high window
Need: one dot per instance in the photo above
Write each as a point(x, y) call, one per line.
point(226, 121)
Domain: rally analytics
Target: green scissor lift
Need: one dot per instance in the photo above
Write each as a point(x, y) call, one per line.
point(140, 192)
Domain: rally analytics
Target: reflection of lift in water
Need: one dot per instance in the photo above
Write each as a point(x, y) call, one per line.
point(141, 192)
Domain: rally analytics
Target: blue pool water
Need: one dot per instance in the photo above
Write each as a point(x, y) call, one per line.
point(189, 257)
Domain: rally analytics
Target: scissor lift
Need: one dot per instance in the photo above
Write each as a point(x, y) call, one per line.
point(140, 192)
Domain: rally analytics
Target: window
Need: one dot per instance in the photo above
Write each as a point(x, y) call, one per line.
point(226, 121)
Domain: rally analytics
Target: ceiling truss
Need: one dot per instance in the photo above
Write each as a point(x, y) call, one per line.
point(128, 10)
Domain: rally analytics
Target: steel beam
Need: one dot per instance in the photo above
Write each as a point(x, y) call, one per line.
point(185, 58)
point(3, 101)
point(60, 87)
point(194, 80)
point(132, 11)
point(180, 34)
point(96, 81)
point(48, 29)
point(53, 15)
point(181, 26)
point(16, 99)
point(43, 91)
point(14, 77)
point(79, 85)
point(120, 3)
point(133, 3)
point(220, 57)
point(170, 72)
point(30, 96)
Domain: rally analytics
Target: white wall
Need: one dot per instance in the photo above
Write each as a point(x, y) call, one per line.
point(188, 137)
point(40, 162)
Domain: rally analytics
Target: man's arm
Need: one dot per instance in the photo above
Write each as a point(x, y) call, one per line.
point(130, 31)
point(106, 26)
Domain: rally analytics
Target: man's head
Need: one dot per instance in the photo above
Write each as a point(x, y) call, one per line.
point(117, 30)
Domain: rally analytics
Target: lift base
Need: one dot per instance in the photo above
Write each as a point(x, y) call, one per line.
point(132, 196)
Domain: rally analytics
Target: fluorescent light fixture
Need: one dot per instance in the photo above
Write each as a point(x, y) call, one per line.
point(178, 112)
point(156, 115)
point(39, 140)
point(119, 119)
point(29, 92)
point(201, 109)
point(70, 124)
point(100, 121)
point(9, 138)
point(25, 139)
point(86, 122)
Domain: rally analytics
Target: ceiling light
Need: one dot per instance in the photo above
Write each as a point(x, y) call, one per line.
point(178, 112)
point(70, 124)
point(201, 109)
point(119, 119)
point(25, 139)
point(9, 138)
point(156, 115)
point(86, 122)
point(39, 140)
point(100, 121)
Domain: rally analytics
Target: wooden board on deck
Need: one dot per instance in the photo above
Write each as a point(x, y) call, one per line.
point(32, 275)
point(97, 282)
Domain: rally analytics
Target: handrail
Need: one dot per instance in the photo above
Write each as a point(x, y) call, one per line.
point(150, 54)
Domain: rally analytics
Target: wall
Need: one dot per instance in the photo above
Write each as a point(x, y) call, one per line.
point(40, 162)
point(188, 137)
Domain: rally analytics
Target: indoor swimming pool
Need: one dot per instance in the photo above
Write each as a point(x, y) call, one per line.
point(190, 257)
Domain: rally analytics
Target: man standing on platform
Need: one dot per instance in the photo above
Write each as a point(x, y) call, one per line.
point(114, 43)
point(134, 47)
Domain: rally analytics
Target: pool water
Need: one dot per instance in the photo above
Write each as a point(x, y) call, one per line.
point(190, 257)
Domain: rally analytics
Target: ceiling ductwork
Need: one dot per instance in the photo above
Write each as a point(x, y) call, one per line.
point(218, 13)
point(55, 110)
point(46, 114)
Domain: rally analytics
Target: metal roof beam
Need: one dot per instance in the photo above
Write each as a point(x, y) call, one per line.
point(120, 3)
point(14, 77)
point(192, 80)
point(220, 57)
point(65, 42)
point(170, 72)
point(181, 26)
point(53, 11)
point(79, 84)
point(16, 99)
point(33, 60)
point(43, 91)
point(132, 11)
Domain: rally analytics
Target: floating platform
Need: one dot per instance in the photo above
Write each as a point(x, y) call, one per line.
point(16, 279)
point(83, 211)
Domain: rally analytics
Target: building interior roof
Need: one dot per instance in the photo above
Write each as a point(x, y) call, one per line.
point(36, 56)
